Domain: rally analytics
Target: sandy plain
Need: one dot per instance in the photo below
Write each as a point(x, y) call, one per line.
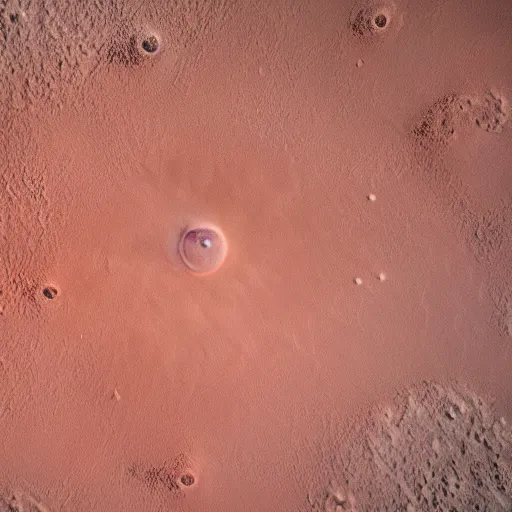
point(344, 343)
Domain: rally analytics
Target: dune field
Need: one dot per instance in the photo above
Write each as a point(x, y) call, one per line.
point(255, 256)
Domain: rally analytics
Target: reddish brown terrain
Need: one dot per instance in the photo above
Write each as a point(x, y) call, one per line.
point(255, 256)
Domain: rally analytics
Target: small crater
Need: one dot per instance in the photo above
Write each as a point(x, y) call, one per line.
point(167, 479)
point(151, 44)
point(187, 479)
point(135, 49)
point(374, 18)
point(50, 292)
point(380, 20)
point(203, 249)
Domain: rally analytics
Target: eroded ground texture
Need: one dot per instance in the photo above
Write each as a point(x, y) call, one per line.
point(434, 448)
